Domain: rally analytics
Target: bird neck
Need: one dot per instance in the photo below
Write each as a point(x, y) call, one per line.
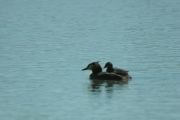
point(110, 69)
point(97, 69)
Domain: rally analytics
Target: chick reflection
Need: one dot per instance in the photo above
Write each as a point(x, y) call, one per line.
point(96, 85)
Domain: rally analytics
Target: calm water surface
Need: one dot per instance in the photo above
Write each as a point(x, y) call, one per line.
point(44, 45)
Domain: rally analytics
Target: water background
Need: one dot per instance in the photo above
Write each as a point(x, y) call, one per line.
point(44, 44)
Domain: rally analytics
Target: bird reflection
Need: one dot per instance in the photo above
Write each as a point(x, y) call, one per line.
point(96, 85)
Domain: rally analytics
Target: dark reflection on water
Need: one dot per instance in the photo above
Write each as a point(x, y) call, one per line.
point(96, 85)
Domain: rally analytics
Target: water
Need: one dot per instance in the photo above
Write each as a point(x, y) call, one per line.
point(45, 44)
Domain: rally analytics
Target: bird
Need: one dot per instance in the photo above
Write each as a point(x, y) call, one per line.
point(98, 74)
point(115, 70)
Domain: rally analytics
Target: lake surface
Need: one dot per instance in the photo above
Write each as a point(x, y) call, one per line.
point(44, 44)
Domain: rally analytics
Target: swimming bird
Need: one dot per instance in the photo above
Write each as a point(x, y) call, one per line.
point(118, 71)
point(98, 74)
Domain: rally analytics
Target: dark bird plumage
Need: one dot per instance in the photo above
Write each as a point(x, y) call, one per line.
point(98, 74)
point(115, 70)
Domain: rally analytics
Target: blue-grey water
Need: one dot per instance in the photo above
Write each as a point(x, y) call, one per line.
point(44, 44)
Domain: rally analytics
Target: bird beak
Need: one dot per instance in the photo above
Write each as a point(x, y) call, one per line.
point(85, 68)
